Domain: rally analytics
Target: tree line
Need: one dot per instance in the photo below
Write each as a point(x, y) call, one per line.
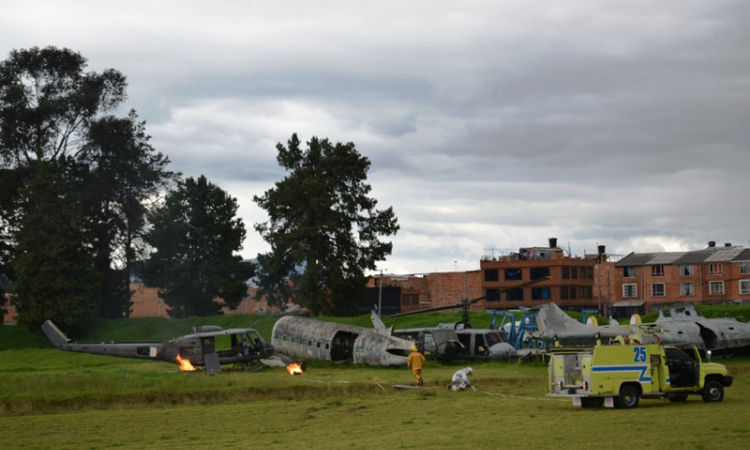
point(87, 205)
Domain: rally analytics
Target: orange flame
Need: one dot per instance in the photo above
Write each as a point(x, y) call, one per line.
point(294, 369)
point(185, 364)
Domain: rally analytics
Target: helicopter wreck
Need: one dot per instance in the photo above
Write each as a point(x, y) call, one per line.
point(199, 349)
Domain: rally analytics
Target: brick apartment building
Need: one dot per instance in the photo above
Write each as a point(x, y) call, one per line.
point(576, 282)
point(712, 275)
point(573, 284)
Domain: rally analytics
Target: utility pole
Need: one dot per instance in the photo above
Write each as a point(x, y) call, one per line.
point(599, 257)
point(380, 294)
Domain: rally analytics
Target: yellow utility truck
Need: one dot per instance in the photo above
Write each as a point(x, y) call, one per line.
point(620, 374)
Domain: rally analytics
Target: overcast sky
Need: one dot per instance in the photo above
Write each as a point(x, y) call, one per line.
point(490, 125)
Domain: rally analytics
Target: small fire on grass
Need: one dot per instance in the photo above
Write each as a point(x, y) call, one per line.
point(294, 369)
point(185, 364)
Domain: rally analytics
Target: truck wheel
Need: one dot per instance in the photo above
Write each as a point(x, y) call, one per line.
point(713, 392)
point(629, 397)
point(592, 402)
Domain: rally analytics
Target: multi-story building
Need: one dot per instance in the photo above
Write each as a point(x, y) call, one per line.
point(571, 285)
point(712, 275)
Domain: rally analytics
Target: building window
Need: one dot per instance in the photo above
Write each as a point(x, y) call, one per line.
point(539, 272)
point(566, 273)
point(744, 287)
point(574, 272)
point(514, 295)
point(564, 293)
point(714, 269)
point(716, 288)
point(686, 270)
point(541, 293)
point(585, 292)
point(587, 273)
point(493, 295)
point(491, 275)
point(572, 293)
point(658, 290)
point(628, 272)
point(745, 267)
point(687, 289)
point(405, 300)
point(513, 275)
point(657, 271)
point(630, 290)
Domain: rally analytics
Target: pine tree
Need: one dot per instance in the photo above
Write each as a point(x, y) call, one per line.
point(323, 228)
point(195, 235)
point(56, 276)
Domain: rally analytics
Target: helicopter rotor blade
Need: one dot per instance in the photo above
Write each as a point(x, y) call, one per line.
point(419, 311)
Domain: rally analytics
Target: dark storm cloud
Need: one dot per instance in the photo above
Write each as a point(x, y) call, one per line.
point(489, 125)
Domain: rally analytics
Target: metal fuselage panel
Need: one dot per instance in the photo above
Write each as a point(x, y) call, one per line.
point(140, 350)
point(301, 337)
point(722, 335)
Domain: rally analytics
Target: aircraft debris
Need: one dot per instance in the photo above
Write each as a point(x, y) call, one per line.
point(199, 349)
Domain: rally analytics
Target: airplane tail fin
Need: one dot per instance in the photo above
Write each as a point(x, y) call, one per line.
point(376, 321)
point(551, 316)
point(54, 334)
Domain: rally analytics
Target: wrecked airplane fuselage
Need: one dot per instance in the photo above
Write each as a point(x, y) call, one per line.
point(554, 325)
point(682, 326)
point(301, 338)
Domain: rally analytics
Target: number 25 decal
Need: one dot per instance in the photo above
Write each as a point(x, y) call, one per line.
point(640, 354)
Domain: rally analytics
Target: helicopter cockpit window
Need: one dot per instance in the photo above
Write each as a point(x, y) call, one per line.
point(254, 341)
point(429, 341)
point(492, 339)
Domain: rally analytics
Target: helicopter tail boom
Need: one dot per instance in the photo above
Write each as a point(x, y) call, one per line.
point(54, 334)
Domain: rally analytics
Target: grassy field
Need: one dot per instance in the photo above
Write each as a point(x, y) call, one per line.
point(55, 400)
point(58, 400)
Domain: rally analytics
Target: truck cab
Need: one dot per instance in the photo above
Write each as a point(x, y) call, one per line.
point(620, 374)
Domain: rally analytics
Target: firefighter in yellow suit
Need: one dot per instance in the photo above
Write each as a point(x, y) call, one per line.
point(416, 362)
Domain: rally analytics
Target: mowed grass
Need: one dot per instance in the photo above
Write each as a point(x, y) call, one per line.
point(56, 400)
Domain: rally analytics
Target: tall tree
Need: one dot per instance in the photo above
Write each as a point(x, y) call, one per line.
point(125, 174)
point(47, 102)
point(52, 110)
point(323, 228)
point(56, 277)
point(195, 235)
point(8, 205)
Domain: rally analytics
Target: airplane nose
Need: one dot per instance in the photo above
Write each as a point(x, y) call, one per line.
point(502, 350)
